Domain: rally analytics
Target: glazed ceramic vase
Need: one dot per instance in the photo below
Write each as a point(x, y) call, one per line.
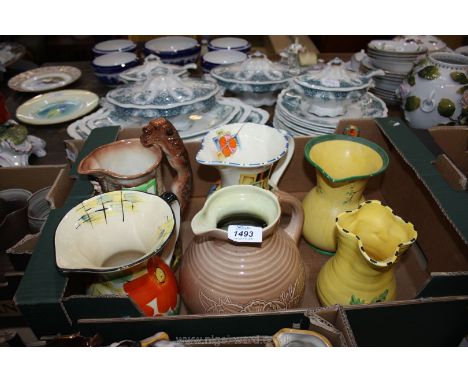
point(134, 164)
point(371, 239)
point(218, 275)
point(436, 91)
point(343, 165)
point(245, 153)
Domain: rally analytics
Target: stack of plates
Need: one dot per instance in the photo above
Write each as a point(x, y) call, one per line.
point(396, 58)
point(191, 126)
point(290, 116)
point(385, 86)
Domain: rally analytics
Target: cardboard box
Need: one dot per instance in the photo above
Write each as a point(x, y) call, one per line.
point(225, 330)
point(425, 322)
point(53, 302)
point(16, 250)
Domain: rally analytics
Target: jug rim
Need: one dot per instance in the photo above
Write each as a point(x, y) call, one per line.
point(400, 247)
point(113, 174)
point(115, 269)
point(210, 134)
point(266, 231)
point(341, 137)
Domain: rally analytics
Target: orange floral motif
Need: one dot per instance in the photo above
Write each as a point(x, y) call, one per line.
point(226, 144)
point(155, 292)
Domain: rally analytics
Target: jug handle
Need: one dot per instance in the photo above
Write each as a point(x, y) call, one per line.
point(173, 202)
point(283, 162)
point(161, 132)
point(294, 228)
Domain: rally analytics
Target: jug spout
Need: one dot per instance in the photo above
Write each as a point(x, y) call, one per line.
point(245, 153)
point(381, 235)
point(124, 164)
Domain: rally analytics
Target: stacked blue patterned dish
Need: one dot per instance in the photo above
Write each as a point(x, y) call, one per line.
point(114, 46)
point(216, 58)
point(230, 43)
point(109, 66)
point(177, 50)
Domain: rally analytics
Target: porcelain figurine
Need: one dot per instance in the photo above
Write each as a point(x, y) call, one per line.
point(371, 239)
point(343, 165)
point(245, 153)
point(134, 163)
point(218, 275)
point(327, 92)
point(16, 145)
point(126, 239)
point(436, 92)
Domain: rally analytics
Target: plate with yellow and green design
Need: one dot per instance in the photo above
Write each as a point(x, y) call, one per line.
point(57, 107)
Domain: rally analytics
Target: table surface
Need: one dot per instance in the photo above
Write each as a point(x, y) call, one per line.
point(54, 135)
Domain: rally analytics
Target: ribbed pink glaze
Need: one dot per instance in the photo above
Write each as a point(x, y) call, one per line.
point(218, 276)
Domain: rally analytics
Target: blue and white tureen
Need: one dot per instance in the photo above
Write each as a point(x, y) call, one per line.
point(255, 81)
point(162, 96)
point(328, 91)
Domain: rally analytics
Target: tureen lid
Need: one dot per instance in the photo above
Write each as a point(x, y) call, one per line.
point(152, 67)
point(162, 92)
point(256, 69)
point(335, 76)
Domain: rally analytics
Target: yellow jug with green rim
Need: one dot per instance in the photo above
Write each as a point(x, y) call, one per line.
point(371, 239)
point(343, 165)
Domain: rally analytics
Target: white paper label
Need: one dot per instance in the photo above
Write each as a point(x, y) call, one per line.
point(245, 233)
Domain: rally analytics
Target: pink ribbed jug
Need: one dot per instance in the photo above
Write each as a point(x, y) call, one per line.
point(222, 276)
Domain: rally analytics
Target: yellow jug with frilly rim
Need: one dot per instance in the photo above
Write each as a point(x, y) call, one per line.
point(371, 239)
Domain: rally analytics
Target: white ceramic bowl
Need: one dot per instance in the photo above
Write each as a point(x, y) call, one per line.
point(114, 46)
point(231, 43)
point(215, 58)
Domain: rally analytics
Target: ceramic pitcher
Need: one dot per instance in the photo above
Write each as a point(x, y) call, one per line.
point(134, 164)
point(371, 240)
point(247, 153)
point(218, 275)
point(343, 165)
point(126, 240)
